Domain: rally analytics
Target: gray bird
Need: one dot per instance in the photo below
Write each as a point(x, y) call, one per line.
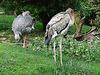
point(22, 24)
point(59, 25)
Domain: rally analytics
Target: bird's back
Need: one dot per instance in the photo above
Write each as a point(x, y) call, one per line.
point(22, 23)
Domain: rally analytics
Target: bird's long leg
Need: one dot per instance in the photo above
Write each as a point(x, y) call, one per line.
point(54, 50)
point(60, 49)
point(24, 41)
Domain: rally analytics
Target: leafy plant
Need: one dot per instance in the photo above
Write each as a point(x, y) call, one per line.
point(81, 50)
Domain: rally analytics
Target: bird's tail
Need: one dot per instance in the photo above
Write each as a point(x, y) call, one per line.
point(47, 39)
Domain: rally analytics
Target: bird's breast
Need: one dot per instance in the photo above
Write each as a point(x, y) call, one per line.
point(71, 22)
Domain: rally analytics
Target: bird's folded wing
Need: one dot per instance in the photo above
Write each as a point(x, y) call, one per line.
point(56, 18)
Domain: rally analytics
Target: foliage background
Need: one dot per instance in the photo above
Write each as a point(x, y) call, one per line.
point(45, 9)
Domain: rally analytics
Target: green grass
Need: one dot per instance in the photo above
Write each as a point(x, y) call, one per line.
point(16, 60)
point(1, 10)
point(38, 60)
point(6, 21)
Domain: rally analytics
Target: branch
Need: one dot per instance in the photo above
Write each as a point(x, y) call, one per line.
point(81, 24)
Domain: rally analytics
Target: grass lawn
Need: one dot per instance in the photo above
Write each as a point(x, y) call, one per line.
point(6, 21)
point(16, 60)
point(37, 60)
point(1, 10)
point(79, 58)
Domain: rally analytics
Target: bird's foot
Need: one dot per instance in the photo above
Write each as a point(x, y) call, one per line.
point(23, 46)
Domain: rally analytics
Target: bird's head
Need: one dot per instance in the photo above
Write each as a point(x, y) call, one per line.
point(71, 12)
point(25, 13)
point(17, 37)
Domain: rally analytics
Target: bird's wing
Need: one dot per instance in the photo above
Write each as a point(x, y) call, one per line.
point(56, 18)
point(22, 22)
point(18, 23)
point(56, 25)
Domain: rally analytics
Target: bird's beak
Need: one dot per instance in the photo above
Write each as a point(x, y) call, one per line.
point(75, 22)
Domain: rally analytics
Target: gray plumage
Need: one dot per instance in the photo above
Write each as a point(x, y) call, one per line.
point(22, 24)
point(58, 24)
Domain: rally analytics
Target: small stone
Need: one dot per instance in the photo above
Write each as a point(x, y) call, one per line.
point(3, 39)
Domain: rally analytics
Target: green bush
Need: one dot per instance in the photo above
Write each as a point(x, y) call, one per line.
point(81, 50)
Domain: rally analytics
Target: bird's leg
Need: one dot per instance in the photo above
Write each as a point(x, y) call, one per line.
point(24, 41)
point(60, 49)
point(47, 50)
point(54, 51)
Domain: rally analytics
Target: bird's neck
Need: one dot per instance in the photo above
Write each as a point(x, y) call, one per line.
point(71, 16)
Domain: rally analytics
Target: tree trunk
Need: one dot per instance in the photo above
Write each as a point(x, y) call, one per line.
point(81, 24)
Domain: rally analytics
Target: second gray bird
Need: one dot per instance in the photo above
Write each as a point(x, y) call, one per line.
point(22, 24)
